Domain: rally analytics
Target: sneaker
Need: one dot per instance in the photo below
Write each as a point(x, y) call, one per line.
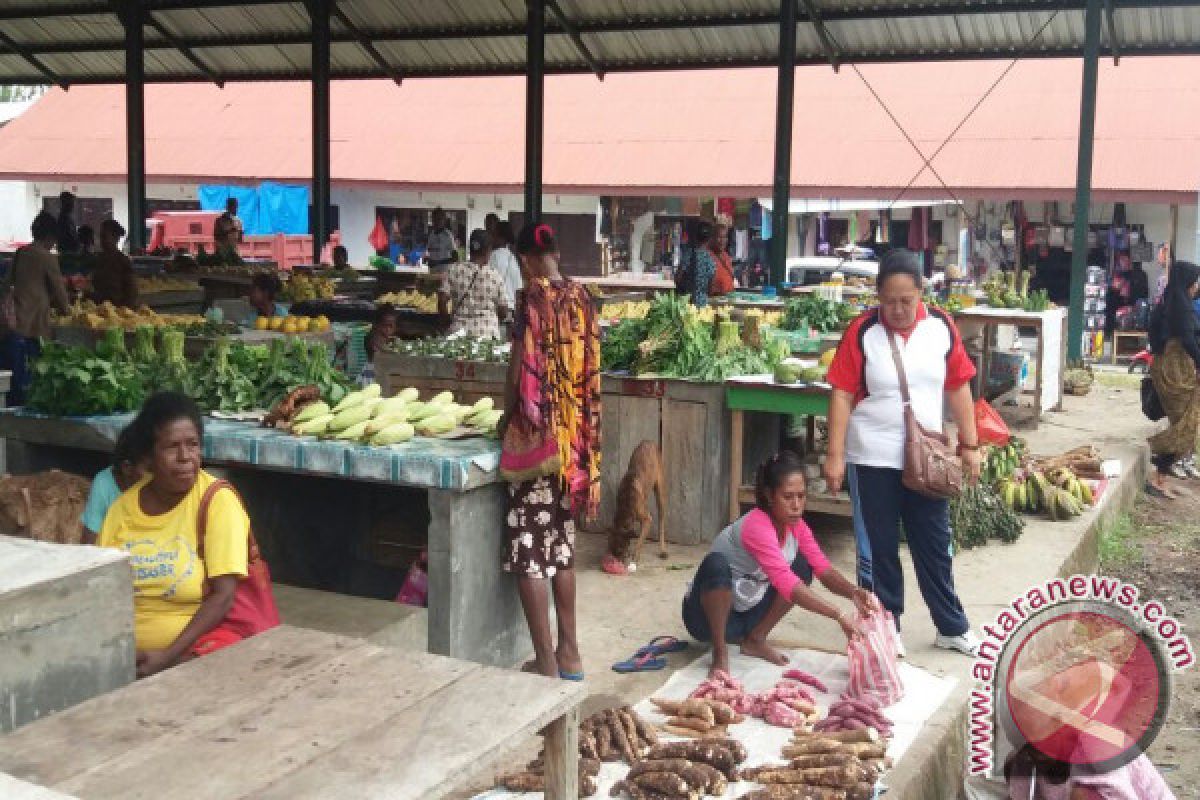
point(1189, 466)
point(1179, 471)
point(899, 646)
point(967, 643)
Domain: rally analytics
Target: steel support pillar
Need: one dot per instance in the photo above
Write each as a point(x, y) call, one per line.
point(320, 125)
point(135, 123)
point(785, 96)
point(535, 82)
point(1083, 177)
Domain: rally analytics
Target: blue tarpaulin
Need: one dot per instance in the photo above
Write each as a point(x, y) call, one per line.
point(269, 208)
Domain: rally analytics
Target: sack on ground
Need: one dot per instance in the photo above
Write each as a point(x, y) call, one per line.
point(874, 669)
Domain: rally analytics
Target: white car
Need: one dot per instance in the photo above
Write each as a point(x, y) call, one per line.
point(813, 270)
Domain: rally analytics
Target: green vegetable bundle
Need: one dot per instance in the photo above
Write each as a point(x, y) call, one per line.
point(77, 381)
point(619, 347)
point(225, 381)
point(979, 514)
point(816, 312)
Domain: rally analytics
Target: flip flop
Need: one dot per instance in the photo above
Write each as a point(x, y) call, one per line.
point(1154, 491)
point(570, 676)
point(647, 662)
point(661, 645)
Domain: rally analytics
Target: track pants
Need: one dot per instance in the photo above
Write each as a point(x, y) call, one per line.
point(881, 503)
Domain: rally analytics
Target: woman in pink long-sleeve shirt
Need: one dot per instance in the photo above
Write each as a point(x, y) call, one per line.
point(761, 566)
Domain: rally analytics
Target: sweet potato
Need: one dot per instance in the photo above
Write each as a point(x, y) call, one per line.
point(868, 735)
point(668, 707)
point(604, 743)
point(697, 709)
point(814, 745)
point(824, 760)
point(865, 750)
point(795, 792)
point(837, 777)
point(695, 723)
point(735, 748)
point(647, 735)
point(666, 782)
point(692, 733)
point(710, 753)
point(723, 713)
point(625, 716)
point(715, 781)
point(620, 738)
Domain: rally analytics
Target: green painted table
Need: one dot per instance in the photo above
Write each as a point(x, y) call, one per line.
point(764, 396)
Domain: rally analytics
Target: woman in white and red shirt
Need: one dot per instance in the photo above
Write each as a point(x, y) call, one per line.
point(866, 442)
point(761, 566)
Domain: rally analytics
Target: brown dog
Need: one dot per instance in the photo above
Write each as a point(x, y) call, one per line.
point(632, 518)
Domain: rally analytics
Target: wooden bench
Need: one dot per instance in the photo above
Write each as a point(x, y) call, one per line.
point(380, 622)
point(296, 714)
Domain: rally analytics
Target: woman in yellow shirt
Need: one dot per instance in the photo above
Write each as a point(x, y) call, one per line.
point(155, 522)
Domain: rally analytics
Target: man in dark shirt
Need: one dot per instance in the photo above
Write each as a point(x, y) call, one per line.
point(113, 279)
point(68, 235)
point(228, 229)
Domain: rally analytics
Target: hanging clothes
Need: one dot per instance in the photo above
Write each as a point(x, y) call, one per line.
point(810, 236)
point(741, 245)
point(823, 234)
point(726, 205)
point(766, 225)
point(918, 230)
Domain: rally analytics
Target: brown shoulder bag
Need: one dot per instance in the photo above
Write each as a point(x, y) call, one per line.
point(930, 467)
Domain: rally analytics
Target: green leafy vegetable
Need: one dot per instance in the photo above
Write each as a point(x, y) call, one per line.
point(812, 311)
point(76, 381)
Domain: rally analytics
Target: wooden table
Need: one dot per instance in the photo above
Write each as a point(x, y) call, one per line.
point(1051, 327)
point(766, 396)
point(1141, 337)
point(293, 714)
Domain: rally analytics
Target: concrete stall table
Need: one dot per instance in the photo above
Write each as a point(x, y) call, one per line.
point(293, 713)
point(474, 612)
point(760, 394)
point(1051, 353)
point(629, 282)
point(175, 301)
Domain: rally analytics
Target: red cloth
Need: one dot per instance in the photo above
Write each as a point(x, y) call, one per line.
point(726, 205)
point(218, 638)
point(847, 371)
point(379, 236)
point(722, 281)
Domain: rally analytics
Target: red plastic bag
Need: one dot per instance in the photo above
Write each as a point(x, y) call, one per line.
point(989, 426)
point(415, 591)
point(379, 236)
point(874, 672)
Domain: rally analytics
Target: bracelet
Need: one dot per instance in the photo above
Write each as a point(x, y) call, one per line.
point(972, 447)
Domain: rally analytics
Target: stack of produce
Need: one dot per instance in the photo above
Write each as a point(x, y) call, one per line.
point(1003, 292)
point(86, 314)
point(980, 513)
point(787, 705)
point(459, 348)
point(410, 298)
point(366, 417)
point(697, 718)
point(1058, 486)
point(611, 735)
point(850, 714)
point(835, 765)
point(154, 285)
point(818, 313)
point(293, 324)
point(229, 376)
point(672, 341)
point(685, 770)
point(303, 288)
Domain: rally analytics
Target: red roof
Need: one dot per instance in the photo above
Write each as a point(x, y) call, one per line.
point(658, 133)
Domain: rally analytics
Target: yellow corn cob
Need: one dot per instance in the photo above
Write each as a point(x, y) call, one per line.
point(378, 424)
point(431, 426)
point(483, 404)
point(351, 416)
point(390, 406)
point(394, 434)
point(313, 427)
point(353, 432)
point(408, 395)
point(312, 411)
point(442, 399)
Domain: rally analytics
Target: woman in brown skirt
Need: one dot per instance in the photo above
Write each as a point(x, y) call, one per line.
point(552, 396)
point(1173, 340)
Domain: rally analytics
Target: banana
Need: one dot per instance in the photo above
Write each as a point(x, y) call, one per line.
point(1052, 506)
point(1086, 493)
point(1022, 497)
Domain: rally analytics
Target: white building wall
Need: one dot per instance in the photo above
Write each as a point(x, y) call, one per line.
point(15, 215)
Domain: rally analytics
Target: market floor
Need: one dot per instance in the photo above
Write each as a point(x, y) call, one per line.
point(619, 614)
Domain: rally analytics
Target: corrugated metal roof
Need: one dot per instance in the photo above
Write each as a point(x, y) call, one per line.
point(668, 133)
point(82, 41)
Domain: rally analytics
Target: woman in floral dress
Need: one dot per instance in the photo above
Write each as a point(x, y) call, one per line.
point(552, 393)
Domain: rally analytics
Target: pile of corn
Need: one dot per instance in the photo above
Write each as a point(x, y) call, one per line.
point(367, 417)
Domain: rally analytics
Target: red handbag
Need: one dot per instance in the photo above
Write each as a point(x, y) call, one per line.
point(253, 610)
